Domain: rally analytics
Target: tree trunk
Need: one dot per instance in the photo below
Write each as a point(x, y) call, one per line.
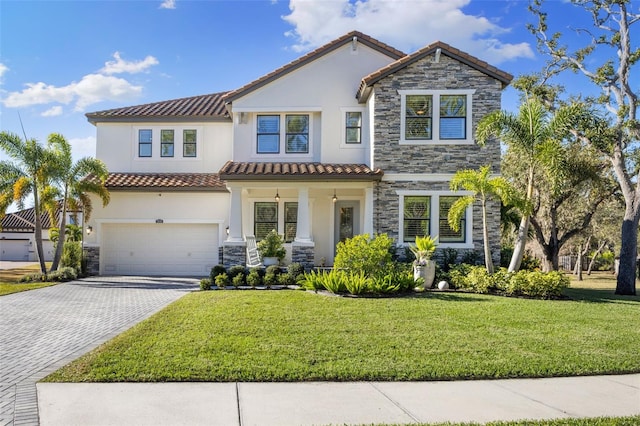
point(523, 230)
point(626, 282)
point(38, 230)
point(595, 255)
point(579, 265)
point(488, 261)
point(61, 236)
point(550, 261)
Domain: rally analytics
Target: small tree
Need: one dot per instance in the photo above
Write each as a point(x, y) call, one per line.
point(483, 187)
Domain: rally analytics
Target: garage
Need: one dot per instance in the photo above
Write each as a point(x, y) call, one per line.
point(14, 250)
point(162, 249)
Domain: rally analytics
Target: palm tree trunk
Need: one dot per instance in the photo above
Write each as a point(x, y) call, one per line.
point(523, 230)
point(38, 229)
point(488, 261)
point(61, 235)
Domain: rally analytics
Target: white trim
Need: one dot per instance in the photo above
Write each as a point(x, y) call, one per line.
point(363, 128)
point(282, 148)
point(435, 118)
point(178, 142)
point(277, 110)
point(434, 220)
point(418, 177)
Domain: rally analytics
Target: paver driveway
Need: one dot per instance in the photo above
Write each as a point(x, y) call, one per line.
point(42, 330)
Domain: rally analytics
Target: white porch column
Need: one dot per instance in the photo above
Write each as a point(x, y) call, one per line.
point(368, 211)
point(303, 233)
point(235, 215)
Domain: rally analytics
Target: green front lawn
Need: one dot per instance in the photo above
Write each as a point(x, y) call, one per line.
point(594, 421)
point(10, 280)
point(301, 336)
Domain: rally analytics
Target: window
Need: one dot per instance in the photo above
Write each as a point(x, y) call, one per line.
point(426, 213)
point(353, 127)
point(436, 116)
point(268, 134)
point(297, 133)
point(189, 138)
point(265, 219)
point(418, 117)
point(446, 233)
point(290, 221)
point(166, 143)
point(417, 217)
point(144, 142)
point(453, 116)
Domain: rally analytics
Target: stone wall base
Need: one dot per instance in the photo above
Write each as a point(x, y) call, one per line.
point(304, 254)
point(91, 260)
point(234, 254)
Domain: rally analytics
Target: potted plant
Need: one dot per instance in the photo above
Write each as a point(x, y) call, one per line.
point(271, 248)
point(423, 266)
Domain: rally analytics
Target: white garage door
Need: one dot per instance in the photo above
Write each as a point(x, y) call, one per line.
point(159, 249)
point(14, 250)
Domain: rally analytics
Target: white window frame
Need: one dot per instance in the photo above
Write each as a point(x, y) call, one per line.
point(281, 212)
point(434, 219)
point(364, 129)
point(178, 142)
point(435, 122)
point(283, 135)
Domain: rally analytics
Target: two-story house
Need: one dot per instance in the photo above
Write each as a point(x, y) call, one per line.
point(353, 137)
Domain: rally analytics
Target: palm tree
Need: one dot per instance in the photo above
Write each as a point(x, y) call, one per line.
point(75, 181)
point(531, 134)
point(483, 188)
point(26, 174)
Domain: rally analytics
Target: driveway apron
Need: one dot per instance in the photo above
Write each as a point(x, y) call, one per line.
point(42, 330)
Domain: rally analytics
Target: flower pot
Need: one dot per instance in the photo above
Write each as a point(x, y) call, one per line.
point(268, 261)
point(426, 272)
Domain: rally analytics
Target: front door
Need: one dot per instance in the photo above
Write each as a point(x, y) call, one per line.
point(347, 220)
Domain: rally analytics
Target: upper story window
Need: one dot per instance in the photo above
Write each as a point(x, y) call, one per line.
point(167, 138)
point(353, 127)
point(297, 135)
point(268, 134)
point(189, 140)
point(436, 116)
point(144, 142)
point(293, 129)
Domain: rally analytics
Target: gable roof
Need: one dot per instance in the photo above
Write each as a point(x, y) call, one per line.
point(312, 56)
point(445, 49)
point(165, 181)
point(298, 171)
point(204, 107)
point(24, 220)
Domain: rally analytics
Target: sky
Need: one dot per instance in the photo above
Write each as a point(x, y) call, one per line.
point(62, 59)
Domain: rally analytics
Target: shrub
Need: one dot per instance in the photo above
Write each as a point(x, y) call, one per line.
point(286, 279)
point(236, 270)
point(334, 281)
point(312, 280)
point(384, 284)
point(238, 280)
point(215, 271)
point(254, 278)
point(272, 245)
point(205, 284)
point(63, 274)
point(471, 257)
point(222, 280)
point(458, 274)
point(71, 255)
point(357, 283)
point(295, 270)
point(270, 279)
point(360, 254)
point(537, 284)
point(273, 269)
point(449, 258)
point(32, 278)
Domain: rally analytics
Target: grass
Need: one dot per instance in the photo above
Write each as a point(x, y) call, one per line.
point(594, 421)
point(10, 280)
point(301, 336)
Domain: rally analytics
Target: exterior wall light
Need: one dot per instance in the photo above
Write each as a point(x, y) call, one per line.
point(89, 230)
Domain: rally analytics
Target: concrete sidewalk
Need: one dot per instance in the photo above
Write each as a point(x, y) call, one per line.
point(320, 403)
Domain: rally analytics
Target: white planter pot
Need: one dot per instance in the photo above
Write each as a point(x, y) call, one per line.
point(268, 261)
point(426, 272)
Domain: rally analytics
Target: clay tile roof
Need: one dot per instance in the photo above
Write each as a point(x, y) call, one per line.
point(311, 56)
point(204, 107)
point(446, 49)
point(24, 221)
point(299, 171)
point(165, 181)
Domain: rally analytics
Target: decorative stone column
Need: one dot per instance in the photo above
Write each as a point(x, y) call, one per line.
point(234, 253)
point(303, 253)
point(91, 256)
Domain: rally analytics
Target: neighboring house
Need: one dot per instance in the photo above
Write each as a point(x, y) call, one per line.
point(354, 137)
point(17, 235)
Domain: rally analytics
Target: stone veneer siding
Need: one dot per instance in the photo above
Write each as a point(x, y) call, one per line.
point(234, 254)
point(394, 158)
point(92, 260)
point(303, 254)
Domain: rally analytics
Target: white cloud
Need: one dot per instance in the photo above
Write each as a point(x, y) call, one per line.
point(93, 88)
point(3, 70)
point(83, 147)
point(404, 24)
point(53, 112)
point(168, 4)
point(132, 67)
